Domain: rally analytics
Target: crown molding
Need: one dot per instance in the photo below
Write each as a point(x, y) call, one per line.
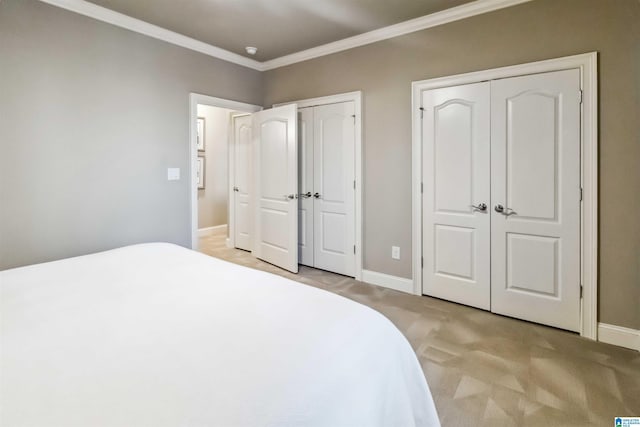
point(457, 13)
point(109, 16)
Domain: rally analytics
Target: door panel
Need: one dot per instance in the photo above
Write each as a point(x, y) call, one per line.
point(242, 182)
point(276, 186)
point(456, 236)
point(536, 178)
point(334, 175)
point(305, 185)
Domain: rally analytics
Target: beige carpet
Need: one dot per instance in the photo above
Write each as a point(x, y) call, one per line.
point(488, 370)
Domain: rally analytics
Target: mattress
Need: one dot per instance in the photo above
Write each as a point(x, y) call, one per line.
point(158, 335)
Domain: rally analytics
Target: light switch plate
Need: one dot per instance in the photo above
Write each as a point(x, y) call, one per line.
point(173, 174)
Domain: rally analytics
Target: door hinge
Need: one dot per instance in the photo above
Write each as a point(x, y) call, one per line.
point(421, 112)
point(354, 249)
point(354, 184)
point(421, 187)
point(581, 290)
point(581, 193)
point(580, 96)
point(354, 119)
point(422, 262)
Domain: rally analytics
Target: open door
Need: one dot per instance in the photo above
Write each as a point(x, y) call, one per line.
point(275, 161)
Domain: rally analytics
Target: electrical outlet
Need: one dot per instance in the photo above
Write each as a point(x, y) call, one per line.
point(395, 252)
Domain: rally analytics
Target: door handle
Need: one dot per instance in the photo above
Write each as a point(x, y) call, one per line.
point(482, 207)
point(316, 195)
point(236, 189)
point(504, 211)
point(306, 195)
point(290, 196)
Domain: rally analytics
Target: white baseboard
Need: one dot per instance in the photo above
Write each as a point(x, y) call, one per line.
point(385, 280)
point(619, 335)
point(208, 231)
point(228, 242)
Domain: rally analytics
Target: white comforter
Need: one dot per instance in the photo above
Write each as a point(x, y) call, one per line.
point(158, 335)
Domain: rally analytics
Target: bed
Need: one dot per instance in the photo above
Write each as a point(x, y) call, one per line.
point(158, 335)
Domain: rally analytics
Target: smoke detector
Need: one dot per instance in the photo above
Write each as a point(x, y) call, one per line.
point(251, 50)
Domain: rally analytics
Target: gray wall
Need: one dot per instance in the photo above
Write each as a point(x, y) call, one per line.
point(532, 31)
point(213, 199)
point(91, 116)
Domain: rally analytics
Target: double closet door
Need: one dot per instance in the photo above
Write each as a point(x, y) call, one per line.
point(326, 183)
point(501, 198)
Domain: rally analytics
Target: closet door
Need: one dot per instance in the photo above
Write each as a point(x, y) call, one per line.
point(334, 193)
point(535, 186)
point(456, 221)
point(275, 147)
point(242, 181)
point(305, 186)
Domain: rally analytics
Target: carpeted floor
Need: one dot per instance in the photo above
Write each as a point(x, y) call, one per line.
point(488, 370)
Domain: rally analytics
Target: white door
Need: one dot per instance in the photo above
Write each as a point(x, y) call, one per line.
point(535, 131)
point(242, 208)
point(305, 186)
point(276, 186)
point(334, 187)
point(456, 198)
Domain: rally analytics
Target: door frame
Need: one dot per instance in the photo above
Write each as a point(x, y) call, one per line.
point(587, 64)
point(356, 97)
point(212, 101)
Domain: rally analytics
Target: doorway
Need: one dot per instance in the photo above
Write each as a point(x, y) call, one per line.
point(211, 163)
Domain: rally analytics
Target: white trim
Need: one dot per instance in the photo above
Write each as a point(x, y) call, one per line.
point(587, 63)
point(387, 281)
point(124, 21)
point(209, 231)
point(194, 100)
point(457, 13)
point(356, 97)
point(619, 335)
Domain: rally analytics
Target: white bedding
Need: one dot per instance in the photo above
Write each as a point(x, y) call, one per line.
point(158, 335)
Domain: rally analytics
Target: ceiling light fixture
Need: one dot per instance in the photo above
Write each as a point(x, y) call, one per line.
point(251, 50)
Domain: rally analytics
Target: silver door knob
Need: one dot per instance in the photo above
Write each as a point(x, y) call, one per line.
point(499, 208)
point(481, 207)
point(316, 195)
point(306, 195)
point(236, 189)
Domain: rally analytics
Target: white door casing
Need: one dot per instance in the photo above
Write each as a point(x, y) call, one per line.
point(334, 187)
point(242, 180)
point(456, 155)
point(535, 177)
point(276, 186)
